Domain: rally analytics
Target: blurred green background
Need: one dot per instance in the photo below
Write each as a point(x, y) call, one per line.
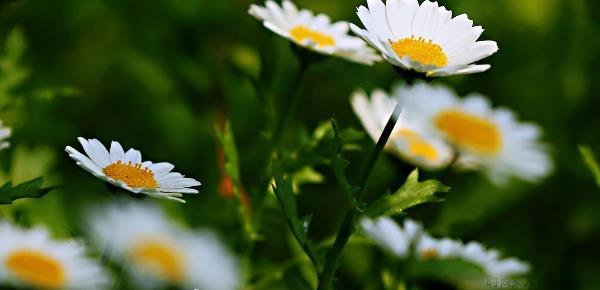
point(157, 75)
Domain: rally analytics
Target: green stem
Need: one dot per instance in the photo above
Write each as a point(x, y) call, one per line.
point(290, 108)
point(349, 223)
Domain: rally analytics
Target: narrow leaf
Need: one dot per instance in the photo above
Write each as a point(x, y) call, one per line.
point(591, 162)
point(338, 163)
point(29, 189)
point(287, 200)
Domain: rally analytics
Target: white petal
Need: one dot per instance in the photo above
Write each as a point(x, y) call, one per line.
point(424, 20)
point(400, 14)
point(277, 14)
point(116, 152)
point(179, 190)
point(480, 50)
point(162, 168)
point(93, 153)
point(454, 34)
point(84, 162)
point(134, 156)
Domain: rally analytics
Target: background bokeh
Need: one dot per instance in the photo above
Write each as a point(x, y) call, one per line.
point(157, 75)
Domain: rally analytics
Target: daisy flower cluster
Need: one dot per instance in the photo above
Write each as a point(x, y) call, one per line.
point(411, 241)
point(436, 130)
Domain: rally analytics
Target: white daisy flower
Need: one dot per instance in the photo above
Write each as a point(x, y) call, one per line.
point(387, 234)
point(30, 258)
point(126, 170)
point(412, 241)
point(424, 38)
point(408, 140)
point(158, 253)
point(432, 248)
point(487, 138)
point(5, 133)
point(490, 261)
point(315, 32)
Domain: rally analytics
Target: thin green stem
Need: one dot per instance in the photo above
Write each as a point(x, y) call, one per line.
point(289, 110)
point(349, 223)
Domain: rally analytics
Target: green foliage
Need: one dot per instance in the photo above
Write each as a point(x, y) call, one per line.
point(12, 73)
point(287, 200)
point(591, 162)
point(338, 163)
point(232, 169)
point(30, 189)
point(411, 193)
point(453, 271)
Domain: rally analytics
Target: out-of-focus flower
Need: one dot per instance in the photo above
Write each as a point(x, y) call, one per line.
point(428, 247)
point(487, 138)
point(126, 170)
point(424, 38)
point(400, 241)
point(390, 236)
point(30, 258)
point(315, 32)
point(408, 140)
point(157, 252)
point(490, 261)
point(5, 133)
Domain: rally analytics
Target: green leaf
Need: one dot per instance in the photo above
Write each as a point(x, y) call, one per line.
point(338, 163)
point(591, 162)
point(287, 200)
point(232, 169)
point(29, 189)
point(411, 193)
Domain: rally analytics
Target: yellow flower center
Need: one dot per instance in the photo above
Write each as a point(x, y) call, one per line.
point(417, 146)
point(134, 175)
point(420, 50)
point(159, 259)
point(36, 269)
point(301, 33)
point(469, 131)
point(428, 254)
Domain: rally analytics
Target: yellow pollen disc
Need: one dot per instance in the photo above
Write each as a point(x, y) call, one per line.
point(134, 175)
point(36, 269)
point(420, 50)
point(301, 33)
point(417, 146)
point(159, 259)
point(469, 131)
point(429, 254)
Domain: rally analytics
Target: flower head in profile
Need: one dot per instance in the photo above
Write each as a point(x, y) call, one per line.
point(486, 138)
point(412, 241)
point(5, 133)
point(424, 38)
point(128, 171)
point(157, 252)
point(409, 141)
point(30, 258)
point(314, 32)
